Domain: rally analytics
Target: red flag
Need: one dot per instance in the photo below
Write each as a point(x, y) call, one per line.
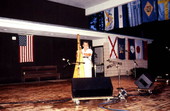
point(26, 48)
point(113, 47)
point(145, 50)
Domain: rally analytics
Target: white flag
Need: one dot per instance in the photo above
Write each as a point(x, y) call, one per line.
point(139, 49)
point(120, 13)
point(109, 19)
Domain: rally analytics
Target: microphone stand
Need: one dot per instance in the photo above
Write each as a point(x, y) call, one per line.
point(122, 92)
point(118, 77)
point(135, 64)
point(117, 66)
point(94, 66)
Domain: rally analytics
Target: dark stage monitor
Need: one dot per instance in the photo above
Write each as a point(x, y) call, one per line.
point(144, 82)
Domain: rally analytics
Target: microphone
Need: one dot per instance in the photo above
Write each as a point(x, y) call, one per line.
point(126, 51)
point(108, 60)
point(68, 61)
point(63, 59)
point(109, 66)
point(135, 62)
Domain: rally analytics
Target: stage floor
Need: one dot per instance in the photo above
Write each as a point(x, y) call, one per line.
point(55, 95)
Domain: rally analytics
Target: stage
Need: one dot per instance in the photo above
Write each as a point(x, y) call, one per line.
point(56, 95)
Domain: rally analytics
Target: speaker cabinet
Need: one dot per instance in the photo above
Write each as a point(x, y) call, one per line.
point(144, 81)
point(92, 87)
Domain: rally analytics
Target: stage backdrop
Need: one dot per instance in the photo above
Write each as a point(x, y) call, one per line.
point(46, 51)
point(124, 54)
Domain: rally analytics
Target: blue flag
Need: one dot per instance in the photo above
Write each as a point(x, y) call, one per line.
point(149, 10)
point(121, 16)
point(96, 21)
point(101, 21)
point(131, 49)
point(163, 10)
point(121, 48)
point(93, 22)
point(134, 13)
point(22, 40)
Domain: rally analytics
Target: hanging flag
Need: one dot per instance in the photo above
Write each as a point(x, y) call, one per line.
point(101, 21)
point(134, 13)
point(139, 49)
point(26, 48)
point(121, 48)
point(121, 16)
point(163, 10)
point(149, 10)
point(93, 22)
point(109, 19)
point(131, 49)
point(113, 47)
point(145, 50)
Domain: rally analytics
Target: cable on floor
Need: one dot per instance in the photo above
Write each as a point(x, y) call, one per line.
point(39, 101)
point(113, 101)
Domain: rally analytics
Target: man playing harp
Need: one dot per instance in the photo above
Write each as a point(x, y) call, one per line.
point(87, 56)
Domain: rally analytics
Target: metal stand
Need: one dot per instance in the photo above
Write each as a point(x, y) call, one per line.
point(115, 63)
point(118, 77)
point(94, 69)
point(135, 64)
point(122, 92)
point(76, 100)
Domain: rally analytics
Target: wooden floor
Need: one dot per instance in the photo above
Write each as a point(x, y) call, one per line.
point(56, 96)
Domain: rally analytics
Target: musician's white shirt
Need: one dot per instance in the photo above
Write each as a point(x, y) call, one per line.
point(88, 62)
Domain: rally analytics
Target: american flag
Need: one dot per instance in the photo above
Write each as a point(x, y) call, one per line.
point(26, 48)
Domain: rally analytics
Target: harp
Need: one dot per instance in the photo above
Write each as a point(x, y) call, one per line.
point(79, 65)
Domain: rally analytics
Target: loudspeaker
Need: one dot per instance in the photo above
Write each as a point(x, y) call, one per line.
point(92, 87)
point(145, 81)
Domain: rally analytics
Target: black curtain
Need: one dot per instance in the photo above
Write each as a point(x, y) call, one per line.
point(47, 51)
point(51, 51)
point(44, 11)
point(9, 61)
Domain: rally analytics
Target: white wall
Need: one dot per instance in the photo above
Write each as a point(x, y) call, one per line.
point(127, 65)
